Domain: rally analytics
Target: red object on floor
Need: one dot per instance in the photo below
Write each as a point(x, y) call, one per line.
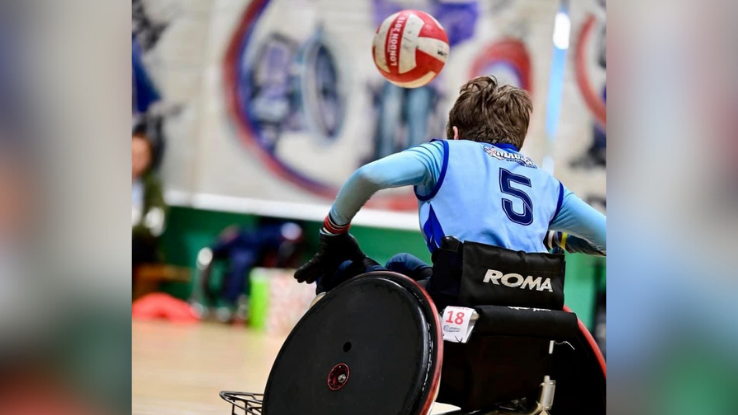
point(163, 306)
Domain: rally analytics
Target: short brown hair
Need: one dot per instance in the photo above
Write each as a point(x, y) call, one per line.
point(490, 113)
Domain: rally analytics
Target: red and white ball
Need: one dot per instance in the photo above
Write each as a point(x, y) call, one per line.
point(410, 48)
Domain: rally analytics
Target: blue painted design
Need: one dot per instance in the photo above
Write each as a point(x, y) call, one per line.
point(458, 19)
point(144, 90)
point(245, 90)
point(402, 117)
point(600, 134)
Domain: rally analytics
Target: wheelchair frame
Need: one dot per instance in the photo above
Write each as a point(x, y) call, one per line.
point(253, 403)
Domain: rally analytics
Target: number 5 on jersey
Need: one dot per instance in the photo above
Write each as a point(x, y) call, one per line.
point(506, 179)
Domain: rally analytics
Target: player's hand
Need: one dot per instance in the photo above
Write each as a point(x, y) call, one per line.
point(332, 251)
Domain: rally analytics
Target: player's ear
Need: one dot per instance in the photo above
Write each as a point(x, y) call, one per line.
point(456, 132)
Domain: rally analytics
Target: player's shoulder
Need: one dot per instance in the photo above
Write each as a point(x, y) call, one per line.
point(434, 148)
point(436, 144)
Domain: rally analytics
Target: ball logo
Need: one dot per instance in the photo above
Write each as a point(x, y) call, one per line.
point(396, 30)
point(518, 281)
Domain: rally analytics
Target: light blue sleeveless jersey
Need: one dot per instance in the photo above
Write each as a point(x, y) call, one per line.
point(490, 194)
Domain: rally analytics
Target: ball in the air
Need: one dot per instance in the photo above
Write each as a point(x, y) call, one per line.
point(410, 48)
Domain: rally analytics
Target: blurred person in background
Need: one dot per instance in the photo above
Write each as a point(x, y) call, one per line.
point(16, 208)
point(15, 149)
point(148, 206)
point(17, 184)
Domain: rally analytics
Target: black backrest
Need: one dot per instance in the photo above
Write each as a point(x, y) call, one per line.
point(519, 298)
point(498, 276)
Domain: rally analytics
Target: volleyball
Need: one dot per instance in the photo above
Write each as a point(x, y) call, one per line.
point(410, 48)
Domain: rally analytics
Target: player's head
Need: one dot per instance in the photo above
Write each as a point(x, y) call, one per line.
point(141, 154)
point(488, 112)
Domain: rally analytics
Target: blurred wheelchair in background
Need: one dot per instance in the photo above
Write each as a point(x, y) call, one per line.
point(374, 345)
point(224, 294)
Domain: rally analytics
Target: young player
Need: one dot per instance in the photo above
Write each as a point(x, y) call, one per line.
point(475, 186)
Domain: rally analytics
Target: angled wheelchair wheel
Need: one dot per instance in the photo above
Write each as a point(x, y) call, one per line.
point(371, 346)
point(580, 372)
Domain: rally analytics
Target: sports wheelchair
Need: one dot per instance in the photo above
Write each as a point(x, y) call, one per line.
point(374, 345)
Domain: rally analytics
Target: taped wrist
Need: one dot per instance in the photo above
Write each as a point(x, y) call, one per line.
point(555, 241)
point(331, 228)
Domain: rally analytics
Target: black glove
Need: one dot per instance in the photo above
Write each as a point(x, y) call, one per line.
point(332, 251)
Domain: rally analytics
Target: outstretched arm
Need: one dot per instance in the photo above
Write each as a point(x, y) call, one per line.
point(581, 220)
point(418, 166)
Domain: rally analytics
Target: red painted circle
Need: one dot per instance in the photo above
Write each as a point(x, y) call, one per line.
point(594, 102)
point(338, 370)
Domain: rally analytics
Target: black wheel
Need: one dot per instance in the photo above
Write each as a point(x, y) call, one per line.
point(371, 346)
point(580, 372)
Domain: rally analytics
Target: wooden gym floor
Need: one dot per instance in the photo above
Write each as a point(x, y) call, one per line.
point(179, 369)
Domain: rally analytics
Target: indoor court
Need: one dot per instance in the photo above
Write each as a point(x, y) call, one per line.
point(283, 148)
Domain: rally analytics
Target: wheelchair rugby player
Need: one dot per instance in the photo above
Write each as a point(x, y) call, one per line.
point(496, 226)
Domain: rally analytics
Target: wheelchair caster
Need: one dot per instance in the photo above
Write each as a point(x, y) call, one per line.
point(249, 403)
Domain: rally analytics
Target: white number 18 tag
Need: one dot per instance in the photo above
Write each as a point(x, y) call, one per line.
point(456, 324)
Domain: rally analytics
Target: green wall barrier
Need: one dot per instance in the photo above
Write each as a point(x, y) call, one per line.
point(189, 230)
